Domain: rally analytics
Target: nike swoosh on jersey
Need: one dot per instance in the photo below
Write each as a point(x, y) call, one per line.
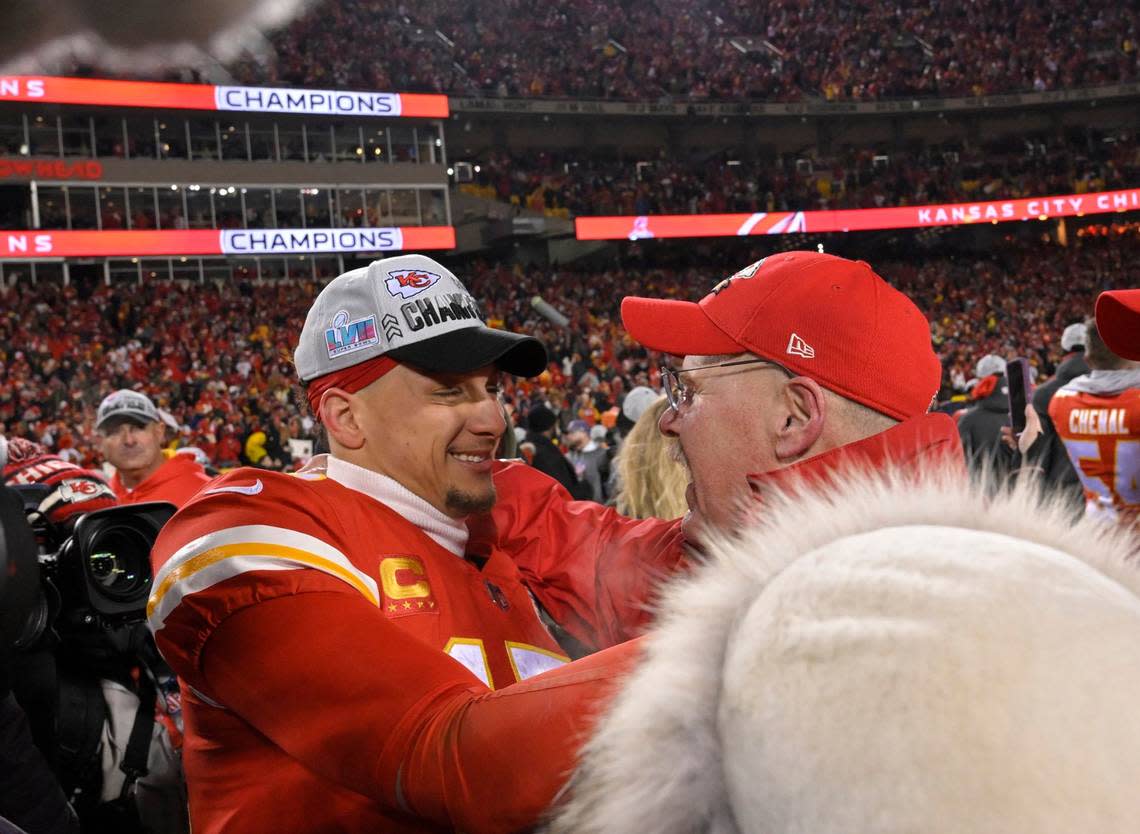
point(252, 489)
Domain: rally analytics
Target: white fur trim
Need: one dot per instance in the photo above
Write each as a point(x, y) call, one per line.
point(896, 654)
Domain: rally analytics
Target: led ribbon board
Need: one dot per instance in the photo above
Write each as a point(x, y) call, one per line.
point(100, 92)
point(853, 220)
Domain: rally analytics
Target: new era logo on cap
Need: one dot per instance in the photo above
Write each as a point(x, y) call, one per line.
point(798, 347)
point(406, 283)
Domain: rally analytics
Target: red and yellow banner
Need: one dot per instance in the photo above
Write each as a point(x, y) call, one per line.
point(101, 92)
point(29, 244)
point(853, 220)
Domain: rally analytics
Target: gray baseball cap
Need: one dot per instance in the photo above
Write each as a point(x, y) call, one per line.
point(1074, 335)
point(125, 404)
point(989, 365)
point(638, 401)
point(413, 310)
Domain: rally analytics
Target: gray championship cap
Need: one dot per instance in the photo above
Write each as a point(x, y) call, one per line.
point(414, 310)
point(123, 405)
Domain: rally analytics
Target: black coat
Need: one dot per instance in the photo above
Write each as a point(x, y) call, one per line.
point(1071, 368)
point(29, 793)
point(1057, 468)
point(549, 459)
point(980, 430)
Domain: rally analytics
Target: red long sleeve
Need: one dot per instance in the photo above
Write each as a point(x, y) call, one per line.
point(594, 570)
point(364, 705)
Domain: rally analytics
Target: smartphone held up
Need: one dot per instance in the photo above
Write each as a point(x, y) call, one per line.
point(1020, 388)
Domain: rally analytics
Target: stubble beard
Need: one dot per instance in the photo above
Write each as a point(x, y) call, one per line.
point(460, 503)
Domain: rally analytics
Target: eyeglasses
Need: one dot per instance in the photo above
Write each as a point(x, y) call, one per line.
point(679, 394)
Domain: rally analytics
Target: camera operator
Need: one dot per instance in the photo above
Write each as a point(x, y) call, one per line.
point(102, 707)
point(30, 796)
point(64, 492)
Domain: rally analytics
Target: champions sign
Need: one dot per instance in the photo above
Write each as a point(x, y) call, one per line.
point(105, 93)
point(853, 220)
point(246, 242)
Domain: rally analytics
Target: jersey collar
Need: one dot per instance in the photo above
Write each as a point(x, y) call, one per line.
point(447, 532)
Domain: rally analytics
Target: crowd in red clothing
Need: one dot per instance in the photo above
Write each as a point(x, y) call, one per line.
point(1013, 301)
point(217, 357)
point(782, 50)
point(855, 178)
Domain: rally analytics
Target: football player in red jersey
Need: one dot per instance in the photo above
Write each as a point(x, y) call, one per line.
point(1097, 417)
point(353, 656)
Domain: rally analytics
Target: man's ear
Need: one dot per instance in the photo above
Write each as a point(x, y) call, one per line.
point(339, 418)
point(805, 413)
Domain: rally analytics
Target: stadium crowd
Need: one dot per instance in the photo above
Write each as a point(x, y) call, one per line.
point(216, 357)
point(713, 49)
point(244, 610)
point(570, 184)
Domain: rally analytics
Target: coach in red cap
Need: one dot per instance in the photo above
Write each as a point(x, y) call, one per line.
point(795, 366)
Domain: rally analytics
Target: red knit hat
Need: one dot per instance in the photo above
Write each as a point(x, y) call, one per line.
point(1118, 322)
point(821, 316)
point(74, 490)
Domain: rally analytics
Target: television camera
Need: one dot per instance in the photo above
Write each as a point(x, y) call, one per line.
point(95, 578)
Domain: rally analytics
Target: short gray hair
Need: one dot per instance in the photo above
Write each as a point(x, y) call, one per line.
point(863, 420)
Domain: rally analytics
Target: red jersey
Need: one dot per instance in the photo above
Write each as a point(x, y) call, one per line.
point(1101, 433)
point(344, 672)
point(177, 481)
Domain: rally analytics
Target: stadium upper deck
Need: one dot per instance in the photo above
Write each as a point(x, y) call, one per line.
point(701, 50)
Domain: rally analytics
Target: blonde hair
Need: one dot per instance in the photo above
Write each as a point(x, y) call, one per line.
point(651, 481)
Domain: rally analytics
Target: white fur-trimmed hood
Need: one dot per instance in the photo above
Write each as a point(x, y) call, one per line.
point(895, 654)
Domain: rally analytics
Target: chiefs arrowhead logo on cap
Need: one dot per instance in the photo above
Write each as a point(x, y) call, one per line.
point(747, 272)
point(406, 283)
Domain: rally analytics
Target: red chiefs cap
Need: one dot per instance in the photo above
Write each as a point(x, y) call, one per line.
point(824, 317)
point(1118, 322)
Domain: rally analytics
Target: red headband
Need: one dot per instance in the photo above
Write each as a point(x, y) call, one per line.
point(350, 379)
